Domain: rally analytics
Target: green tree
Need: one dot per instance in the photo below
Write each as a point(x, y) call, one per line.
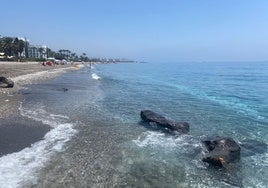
point(68, 54)
point(84, 57)
point(59, 55)
point(15, 47)
point(7, 45)
point(21, 46)
point(27, 49)
point(50, 53)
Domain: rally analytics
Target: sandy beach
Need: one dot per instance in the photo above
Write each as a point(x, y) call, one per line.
point(17, 132)
point(22, 74)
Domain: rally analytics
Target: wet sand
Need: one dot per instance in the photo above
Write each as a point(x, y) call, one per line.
point(23, 74)
point(17, 132)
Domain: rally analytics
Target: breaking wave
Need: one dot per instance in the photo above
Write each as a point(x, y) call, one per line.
point(95, 76)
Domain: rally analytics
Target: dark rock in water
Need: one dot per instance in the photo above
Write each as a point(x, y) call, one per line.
point(160, 122)
point(6, 83)
point(221, 151)
point(64, 89)
point(252, 147)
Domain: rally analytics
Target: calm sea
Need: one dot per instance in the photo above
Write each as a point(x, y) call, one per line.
point(97, 139)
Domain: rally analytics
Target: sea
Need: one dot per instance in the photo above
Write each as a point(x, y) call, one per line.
point(97, 138)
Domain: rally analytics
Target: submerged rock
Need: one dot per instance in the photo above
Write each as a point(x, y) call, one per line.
point(221, 151)
point(6, 83)
point(252, 147)
point(160, 122)
point(64, 89)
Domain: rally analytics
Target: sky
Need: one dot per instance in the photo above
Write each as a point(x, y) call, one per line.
point(144, 30)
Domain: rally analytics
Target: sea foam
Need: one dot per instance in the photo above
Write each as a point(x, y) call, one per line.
point(160, 140)
point(95, 76)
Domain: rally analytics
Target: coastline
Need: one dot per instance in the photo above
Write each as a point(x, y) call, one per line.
point(17, 132)
point(23, 74)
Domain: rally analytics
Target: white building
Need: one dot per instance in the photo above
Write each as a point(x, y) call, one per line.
point(35, 51)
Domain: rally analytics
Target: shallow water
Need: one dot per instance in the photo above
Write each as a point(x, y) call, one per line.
point(97, 139)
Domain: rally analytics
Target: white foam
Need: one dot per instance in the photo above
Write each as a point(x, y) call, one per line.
point(90, 66)
point(156, 139)
point(95, 76)
point(60, 116)
point(20, 167)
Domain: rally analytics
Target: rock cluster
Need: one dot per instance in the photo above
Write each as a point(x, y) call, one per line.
point(220, 151)
point(6, 83)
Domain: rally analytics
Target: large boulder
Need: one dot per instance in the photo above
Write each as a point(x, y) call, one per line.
point(160, 122)
point(221, 151)
point(6, 83)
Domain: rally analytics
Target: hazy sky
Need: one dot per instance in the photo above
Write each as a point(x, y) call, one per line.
point(149, 30)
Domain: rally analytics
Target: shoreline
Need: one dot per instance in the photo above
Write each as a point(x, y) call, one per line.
point(23, 74)
point(18, 132)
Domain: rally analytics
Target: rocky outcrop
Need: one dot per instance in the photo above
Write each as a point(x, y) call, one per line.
point(160, 122)
point(221, 151)
point(6, 83)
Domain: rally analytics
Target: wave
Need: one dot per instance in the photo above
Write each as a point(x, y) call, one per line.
point(21, 167)
point(184, 143)
point(90, 66)
point(95, 76)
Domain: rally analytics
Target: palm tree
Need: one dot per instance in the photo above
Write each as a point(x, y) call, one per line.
point(61, 51)
point(7, 45)
point(15, 47)
point(68, 54)
point(50, 52)
point(72, 56)
point(21, 47)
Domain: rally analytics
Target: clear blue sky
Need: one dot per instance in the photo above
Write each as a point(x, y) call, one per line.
point(149, 30)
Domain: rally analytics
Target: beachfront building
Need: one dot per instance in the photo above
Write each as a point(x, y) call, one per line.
point(35, 51)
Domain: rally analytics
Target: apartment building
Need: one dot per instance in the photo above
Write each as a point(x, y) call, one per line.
point(36, 51)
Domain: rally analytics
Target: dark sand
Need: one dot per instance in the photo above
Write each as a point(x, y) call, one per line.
point(19, 133)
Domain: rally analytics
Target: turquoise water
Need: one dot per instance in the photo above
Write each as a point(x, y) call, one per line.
point(97, 139)
point(225, 99)
point(220, 98)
